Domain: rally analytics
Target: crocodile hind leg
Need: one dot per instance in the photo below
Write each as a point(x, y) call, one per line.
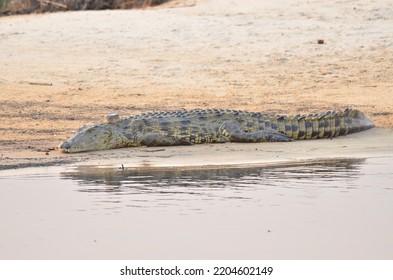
point(157, 139)
point(235, 133)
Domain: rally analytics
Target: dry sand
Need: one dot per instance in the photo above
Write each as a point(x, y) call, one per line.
point(62, 70)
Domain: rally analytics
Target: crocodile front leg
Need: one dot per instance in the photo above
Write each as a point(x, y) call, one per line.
point(235, 133)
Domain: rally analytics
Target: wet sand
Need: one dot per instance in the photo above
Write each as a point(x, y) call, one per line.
point(61, 71)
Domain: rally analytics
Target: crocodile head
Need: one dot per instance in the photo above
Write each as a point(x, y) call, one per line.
point(96, 137)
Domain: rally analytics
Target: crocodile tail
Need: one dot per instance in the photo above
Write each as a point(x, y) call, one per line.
point(326, 125)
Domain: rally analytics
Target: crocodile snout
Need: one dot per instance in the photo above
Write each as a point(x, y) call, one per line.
point(65, 146)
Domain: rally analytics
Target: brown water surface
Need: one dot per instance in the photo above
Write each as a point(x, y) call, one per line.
point(339, 209)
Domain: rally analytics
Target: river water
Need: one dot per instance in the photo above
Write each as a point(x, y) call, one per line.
point(337, 209)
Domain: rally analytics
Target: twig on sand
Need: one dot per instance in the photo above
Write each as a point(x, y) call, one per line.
point(153, 151)
point(40, 84)
point(54, 3)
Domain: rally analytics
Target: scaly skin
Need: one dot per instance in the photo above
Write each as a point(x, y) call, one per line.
point(211, 126)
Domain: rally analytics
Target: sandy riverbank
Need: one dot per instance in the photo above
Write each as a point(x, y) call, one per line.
point(60, 71)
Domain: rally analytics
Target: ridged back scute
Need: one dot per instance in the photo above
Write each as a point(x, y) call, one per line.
point(312, 126)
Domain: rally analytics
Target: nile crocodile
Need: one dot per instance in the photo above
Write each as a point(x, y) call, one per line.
point(187, 127)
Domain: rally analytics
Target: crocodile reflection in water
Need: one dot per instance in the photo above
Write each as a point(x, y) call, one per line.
point(98, 180)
